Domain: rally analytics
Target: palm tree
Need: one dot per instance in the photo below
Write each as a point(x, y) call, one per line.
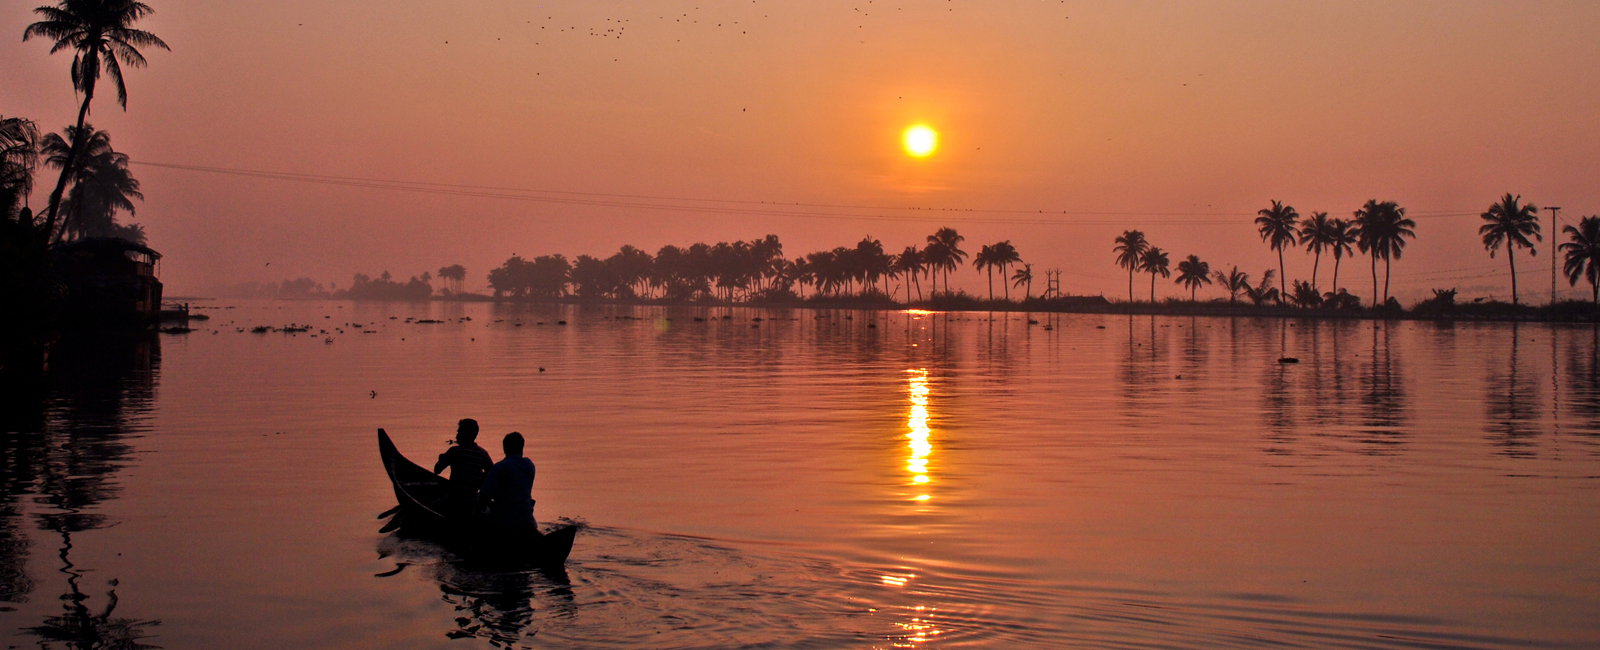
point(19, 155)
point(909, 263)
point(1341, 239)
point(1265, 291)
point(1234, 281)
point(1005, 255)
point(934, 256)
point(951, 255)
point(1024, 277)
point(101, 184)
point(1154, 261)
point(1381, 231)
point(985, 260)
point(1276, 225)
point(1130, 249)
point(1316, 234)
point(456, 274)
point(100, 35)
point(1583, 254)
point(1510, 222)
point(1192, 273)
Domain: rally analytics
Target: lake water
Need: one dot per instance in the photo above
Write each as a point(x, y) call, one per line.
point(817, 479)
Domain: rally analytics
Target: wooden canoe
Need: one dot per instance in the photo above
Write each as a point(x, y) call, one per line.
point(421, 493)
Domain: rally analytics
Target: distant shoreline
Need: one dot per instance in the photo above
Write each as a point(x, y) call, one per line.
point(1563, 312)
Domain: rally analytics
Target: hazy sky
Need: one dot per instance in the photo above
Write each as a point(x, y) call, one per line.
point(1181, 119)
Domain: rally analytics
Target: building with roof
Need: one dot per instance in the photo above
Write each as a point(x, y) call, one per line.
point(110, 280)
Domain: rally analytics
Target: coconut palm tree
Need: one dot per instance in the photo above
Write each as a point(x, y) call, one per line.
point(1263, 292)
point(1315, 234)
point(950, 254)
point(1341, 240)
point(1381, 231)
point(101, 183)
point(1004, 256)
point(1024, 278)
point(19, 155)
point(1155, 262)
point(100, 34)
point(1510, 222)
point(909, 263)
point(984, 260)
point(1234, 281)
point(934, 256)
point(1192, 273)
point(1130, 247)
point(1583, 254)
point(1277, 227)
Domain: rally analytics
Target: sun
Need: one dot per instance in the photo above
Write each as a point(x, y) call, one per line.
point(920, 141)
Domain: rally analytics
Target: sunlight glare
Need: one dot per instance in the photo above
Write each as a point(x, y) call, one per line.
point(920, 141)
point(917, 422)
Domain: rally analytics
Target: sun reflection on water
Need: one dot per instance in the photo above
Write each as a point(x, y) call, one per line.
point(920, 629)
point(917, 423)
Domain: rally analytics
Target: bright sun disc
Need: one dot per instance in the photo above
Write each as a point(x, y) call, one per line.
point(920, 141)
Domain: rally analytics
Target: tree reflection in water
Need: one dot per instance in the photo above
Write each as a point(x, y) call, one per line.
point(1511, 411)
point(1383, 394)
point(1278, 400)
point(1583, 381)
point(64, 442)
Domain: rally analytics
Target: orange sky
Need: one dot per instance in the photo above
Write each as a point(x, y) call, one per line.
point(1189, 115)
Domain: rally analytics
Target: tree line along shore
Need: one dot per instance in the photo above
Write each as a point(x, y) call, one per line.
point(866, 275)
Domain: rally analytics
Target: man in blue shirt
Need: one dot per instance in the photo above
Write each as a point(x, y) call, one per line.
point(508, 489)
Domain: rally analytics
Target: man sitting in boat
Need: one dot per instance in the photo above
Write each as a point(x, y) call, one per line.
point(508, 489)
point(468, 464)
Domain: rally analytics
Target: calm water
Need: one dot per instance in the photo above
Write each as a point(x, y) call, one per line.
point(822, 479)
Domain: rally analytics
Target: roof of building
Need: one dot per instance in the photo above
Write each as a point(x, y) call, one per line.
point(102, 245)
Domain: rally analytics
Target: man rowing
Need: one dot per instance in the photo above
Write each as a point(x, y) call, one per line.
point(468, 464)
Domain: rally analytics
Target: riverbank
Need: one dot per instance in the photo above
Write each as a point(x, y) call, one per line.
point(1571, 311)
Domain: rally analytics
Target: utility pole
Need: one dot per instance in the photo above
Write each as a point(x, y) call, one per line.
point(1554, 226)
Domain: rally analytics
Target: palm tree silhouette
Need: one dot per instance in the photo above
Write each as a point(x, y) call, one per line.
point(934, 256)
point(1341, 239)
point(1510, 222)
point(1265, 291)
point(1276, 225)
point(1192, 273)
point(1381, 231)
point(1130, 248)
point(909, 263)
point(1024, 277)
point(984, 260)
point(19, 155)
point(101, 183)
point(99, 34)
point(1234, 281)
point(1583, 254)
point(1155, 262)
point(1004, 256)
point(456, 274)
point(1316, 233)
point(950, 255)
